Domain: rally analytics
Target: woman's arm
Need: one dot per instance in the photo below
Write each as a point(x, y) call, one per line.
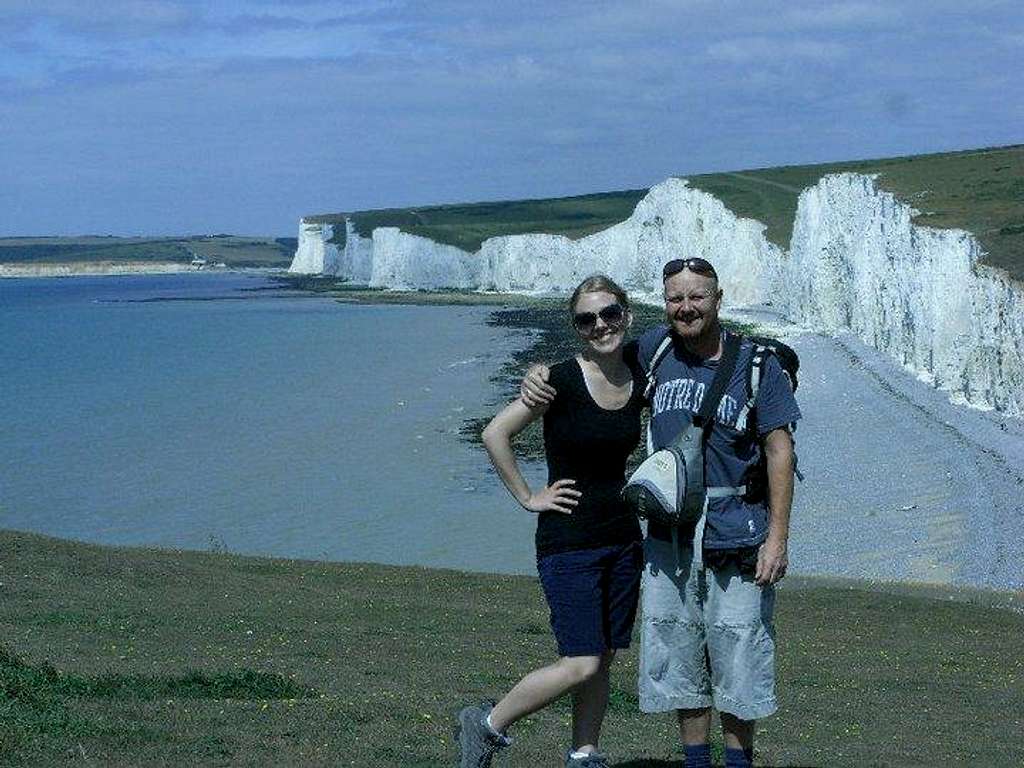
point(560, 496)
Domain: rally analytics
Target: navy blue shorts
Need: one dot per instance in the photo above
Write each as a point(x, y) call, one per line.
point(592, 594)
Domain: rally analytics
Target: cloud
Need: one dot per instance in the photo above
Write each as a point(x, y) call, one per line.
point(770, 50)
point(320, 105)
point(844, 15)
point(24, 47)
point(897, 105)
point(114, 18)
point(258, 24)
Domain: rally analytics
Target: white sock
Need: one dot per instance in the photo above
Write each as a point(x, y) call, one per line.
point(577, 755)
point(495, 731)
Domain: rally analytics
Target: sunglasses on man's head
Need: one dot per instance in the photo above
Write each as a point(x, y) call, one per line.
point(695, 264)
point(586, 321)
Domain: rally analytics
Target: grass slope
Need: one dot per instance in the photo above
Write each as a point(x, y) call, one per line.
point(978, 190)
point(235, 251)
point(468, 225)
point(126, 657)
point(981, 191)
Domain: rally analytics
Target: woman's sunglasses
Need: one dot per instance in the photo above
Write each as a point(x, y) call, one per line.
point(696, 264)
point(585, 322)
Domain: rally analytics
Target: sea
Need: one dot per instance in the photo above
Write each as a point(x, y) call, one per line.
point(221, 412)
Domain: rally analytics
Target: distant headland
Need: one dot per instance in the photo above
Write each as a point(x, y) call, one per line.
point(109, 255)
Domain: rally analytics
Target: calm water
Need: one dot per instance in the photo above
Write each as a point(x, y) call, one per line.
point(188, 411)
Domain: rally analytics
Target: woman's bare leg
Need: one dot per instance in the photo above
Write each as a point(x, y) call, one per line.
point(541, 687)
point(589, 704)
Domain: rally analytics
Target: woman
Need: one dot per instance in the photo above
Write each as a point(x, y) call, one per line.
point(588, 542)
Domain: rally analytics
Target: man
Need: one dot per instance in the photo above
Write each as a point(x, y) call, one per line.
point(707, 636)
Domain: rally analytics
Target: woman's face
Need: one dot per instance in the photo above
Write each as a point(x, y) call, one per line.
point(601, 321)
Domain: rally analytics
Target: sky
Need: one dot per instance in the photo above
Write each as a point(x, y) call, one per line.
point(240, 116)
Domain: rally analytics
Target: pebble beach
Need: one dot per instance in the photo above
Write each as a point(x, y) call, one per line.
point(900, 483)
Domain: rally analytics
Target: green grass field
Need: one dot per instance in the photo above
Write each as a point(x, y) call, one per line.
point(232, 250)
point(131, 657)
point(978, 190)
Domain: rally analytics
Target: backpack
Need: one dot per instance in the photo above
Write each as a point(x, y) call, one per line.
point(764, 346)
point(789, 361)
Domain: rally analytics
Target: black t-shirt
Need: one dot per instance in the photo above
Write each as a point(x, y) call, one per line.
point(589, 444)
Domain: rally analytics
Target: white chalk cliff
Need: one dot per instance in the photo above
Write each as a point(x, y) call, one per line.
point(673, 218)
point(316, 254)
point(856, 263)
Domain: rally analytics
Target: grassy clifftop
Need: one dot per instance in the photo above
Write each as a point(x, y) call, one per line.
point(127, 657)
point(978, 190)
point(468, 225)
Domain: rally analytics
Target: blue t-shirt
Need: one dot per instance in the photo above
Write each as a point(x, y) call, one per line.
point(731, 457)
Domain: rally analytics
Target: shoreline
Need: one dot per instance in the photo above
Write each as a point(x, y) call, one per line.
point(16, 271)
point(934, 507)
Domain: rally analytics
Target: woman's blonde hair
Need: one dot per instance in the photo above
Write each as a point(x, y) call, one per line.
point(594, 284)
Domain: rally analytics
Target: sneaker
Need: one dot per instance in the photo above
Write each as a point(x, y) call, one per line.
point(593, 760)
point(478, 744)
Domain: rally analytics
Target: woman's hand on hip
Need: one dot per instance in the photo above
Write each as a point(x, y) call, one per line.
point(560, 496)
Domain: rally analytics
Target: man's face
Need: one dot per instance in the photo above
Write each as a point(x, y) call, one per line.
point(692, 302)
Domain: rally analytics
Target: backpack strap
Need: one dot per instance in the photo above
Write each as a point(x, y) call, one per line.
point(727, 363)
point(730, 352)
point(652, 382)
point(723, 375)
point(704, 419)
point(659, 355)
point(757, 363)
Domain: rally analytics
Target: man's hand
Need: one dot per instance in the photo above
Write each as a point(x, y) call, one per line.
point(560, 496)
point(535, 390)
point(772, 561)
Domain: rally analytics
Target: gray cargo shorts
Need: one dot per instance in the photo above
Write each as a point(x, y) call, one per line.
point(706, 637)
